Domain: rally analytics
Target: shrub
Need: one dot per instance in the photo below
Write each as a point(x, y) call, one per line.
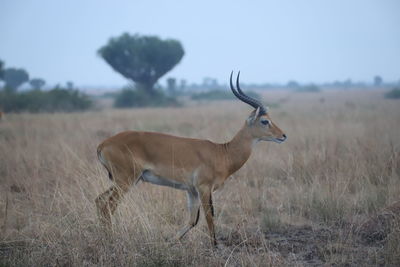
point(393, 94)
point(220, 95)
point(57, 99)
point(131, 97)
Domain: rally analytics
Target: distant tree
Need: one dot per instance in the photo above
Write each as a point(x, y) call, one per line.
point(378, 80)
point(14, 78)
point(171, 86)
point(210, 83)
point(293, 84)
point(1, 69)
point(348, 83)
point(183, 84)
point(70, 85)
point(337, 84)
point(37, 83)
point(142, 59)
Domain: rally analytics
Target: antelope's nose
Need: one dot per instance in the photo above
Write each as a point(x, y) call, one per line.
point(284, 136)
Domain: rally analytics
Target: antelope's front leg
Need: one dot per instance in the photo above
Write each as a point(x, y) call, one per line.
point(206, 201)
point(194, 212)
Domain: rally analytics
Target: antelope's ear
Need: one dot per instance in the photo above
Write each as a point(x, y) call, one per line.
point(253, 116)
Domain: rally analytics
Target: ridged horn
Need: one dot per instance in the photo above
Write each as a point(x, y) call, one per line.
point(245, 98)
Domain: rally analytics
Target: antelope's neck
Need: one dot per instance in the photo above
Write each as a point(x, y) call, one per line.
point(238, 150)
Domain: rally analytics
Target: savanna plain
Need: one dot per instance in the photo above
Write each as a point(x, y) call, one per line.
point(329, 195)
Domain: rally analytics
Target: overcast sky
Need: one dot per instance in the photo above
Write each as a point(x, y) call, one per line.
point(269, 41)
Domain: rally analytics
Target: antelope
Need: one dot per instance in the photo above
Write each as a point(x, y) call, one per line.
point(196, 166)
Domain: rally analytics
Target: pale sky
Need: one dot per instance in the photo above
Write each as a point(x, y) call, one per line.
point(269, 41)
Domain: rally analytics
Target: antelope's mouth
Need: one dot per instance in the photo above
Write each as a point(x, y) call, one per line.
point(280, 140)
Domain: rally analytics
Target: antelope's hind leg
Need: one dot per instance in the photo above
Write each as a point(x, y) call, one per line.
point(194, 212)
point(103, 212)
point(108, 201)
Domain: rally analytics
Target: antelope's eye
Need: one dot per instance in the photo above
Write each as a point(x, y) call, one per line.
point(265, 122)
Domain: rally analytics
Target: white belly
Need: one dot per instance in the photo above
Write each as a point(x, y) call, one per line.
point(149, 177)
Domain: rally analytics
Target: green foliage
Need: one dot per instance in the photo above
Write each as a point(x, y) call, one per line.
point(14, 78)
point(393, 94)
point(57, 99)
point(37, 83)
point(220, 95)
point(312, 88)
point(138, 97)
point(142, 59)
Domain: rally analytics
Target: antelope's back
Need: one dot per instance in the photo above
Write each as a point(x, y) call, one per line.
point(157, 149)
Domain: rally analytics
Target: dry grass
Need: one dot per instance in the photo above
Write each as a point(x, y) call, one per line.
point(304, 202)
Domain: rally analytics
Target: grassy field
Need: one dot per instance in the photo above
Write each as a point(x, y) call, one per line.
point(328, 195)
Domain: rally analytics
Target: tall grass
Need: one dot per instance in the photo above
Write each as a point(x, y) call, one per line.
point(339, 166)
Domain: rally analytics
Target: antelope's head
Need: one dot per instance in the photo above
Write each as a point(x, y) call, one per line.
point(259, 122)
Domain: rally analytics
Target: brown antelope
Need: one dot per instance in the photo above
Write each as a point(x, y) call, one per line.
point(197, 166)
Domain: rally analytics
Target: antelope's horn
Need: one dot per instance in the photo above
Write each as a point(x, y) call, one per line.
point(245, 98)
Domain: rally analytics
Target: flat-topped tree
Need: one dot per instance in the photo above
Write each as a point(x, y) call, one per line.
point(37, 83)
point(142, 59)
point(14, 78)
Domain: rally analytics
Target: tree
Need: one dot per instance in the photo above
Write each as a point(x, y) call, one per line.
point(348, 83)
point(171, 86)
point(142, 59)
point(183, 84)
point(378, 80)
point(14, 78)
point(37, 83)
point(210, 83)
point(292, 84)
point(1, 69)
point(70, 85)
